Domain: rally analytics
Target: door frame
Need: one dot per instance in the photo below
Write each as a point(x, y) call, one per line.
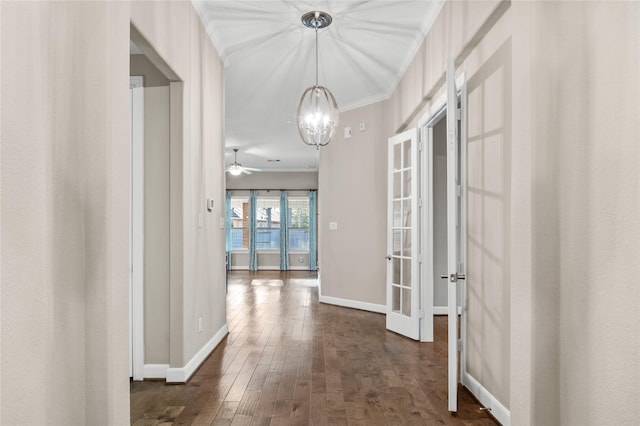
point(136, 231)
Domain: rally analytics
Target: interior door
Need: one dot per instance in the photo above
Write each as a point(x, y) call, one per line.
point(454, 274)
point(402, 236)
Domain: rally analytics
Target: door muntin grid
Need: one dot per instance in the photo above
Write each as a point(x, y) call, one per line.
point(402, 211)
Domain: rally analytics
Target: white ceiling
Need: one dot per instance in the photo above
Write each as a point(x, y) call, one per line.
point(269, 59)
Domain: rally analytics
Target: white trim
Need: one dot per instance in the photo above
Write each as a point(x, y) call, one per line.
point(444, 310)
point(299, 268)
point(439, 106)
point(364, 306)
point(269, 268)
point(181, 375)
point(155, 371)
point(426, 227)
point(462, 94)
point(497, 410)
point(136, 84)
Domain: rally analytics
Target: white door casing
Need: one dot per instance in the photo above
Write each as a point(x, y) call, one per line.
point(136, 241)
point(403, 283)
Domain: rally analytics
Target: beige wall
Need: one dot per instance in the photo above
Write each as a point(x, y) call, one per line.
point(65, 212)
point(65, 202)
point(156, 209)
point(439, 171)
point(489, 206)
point(352, 182)
point(274, 180)
point(352, 262)
point(553, 201)
point(153, 77)
point(156, 226)
point(175, 33)
point(577, 109)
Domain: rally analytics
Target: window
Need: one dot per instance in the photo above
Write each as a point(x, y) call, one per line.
point(298, 221)
point(268, 224)
point(239, 223)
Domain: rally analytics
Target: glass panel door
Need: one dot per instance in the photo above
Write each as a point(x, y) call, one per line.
point(402, 254)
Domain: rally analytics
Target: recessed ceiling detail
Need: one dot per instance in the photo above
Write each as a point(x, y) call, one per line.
point(269, 61)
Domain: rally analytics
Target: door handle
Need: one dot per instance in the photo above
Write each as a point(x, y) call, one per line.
point(453, 277)
point(388, 257)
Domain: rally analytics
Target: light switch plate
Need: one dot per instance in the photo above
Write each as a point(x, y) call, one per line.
point(333, 226)
point(222, 223)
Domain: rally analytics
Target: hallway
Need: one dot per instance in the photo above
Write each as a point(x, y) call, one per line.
point(289, 360)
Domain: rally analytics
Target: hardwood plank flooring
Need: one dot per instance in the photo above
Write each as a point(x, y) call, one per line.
point(290, 360)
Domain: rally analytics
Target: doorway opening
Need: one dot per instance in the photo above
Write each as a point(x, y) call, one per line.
point(156, 102)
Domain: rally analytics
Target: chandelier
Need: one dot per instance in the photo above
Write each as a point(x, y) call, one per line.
point(317, 111)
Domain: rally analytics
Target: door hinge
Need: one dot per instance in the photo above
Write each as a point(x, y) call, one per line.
point(419, 258)
point(420, 146)
point(459, 114)
point(419, 202)
point(459, 345)
point(459, 190)
point(420, 313)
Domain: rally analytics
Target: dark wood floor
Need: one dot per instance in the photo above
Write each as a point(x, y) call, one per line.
point(289, 360)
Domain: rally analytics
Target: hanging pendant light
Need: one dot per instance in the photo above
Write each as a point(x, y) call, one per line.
point(317, 111)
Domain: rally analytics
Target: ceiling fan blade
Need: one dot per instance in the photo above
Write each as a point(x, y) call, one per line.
point(252, 169)
point(246, 171)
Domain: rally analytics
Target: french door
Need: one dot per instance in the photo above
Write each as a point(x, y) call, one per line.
point(402, 236)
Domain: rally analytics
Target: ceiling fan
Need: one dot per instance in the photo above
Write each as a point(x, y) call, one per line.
point(236, 168)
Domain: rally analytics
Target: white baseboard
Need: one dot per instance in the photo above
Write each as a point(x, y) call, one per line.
point(269, 268)
point(239, 268)
point(181, 375)
point(444, 310)
point(365, 306)
point(155, 371)
point(497, 410)
point(299, 268)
